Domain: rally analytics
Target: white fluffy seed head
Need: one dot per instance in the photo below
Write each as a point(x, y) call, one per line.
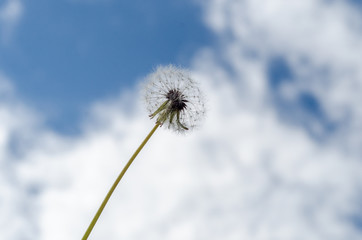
point(175, 98)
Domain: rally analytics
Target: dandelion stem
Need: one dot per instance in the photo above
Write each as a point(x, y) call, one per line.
point(179, 123)
point(99, 212)
point(161, 108)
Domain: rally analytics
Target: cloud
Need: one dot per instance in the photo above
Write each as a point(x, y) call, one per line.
point(18, 124)
point(10, 14)
point(253, 171)
point(318, 39)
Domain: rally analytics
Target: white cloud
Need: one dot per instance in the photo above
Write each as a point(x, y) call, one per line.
point(11, 12)
point(247, 174)
point(319, 39)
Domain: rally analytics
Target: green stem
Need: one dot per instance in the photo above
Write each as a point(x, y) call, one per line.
point(109, 194)
point(179, 123)
point(161, 108)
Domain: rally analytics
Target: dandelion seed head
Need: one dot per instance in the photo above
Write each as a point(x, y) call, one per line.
point(174, 99)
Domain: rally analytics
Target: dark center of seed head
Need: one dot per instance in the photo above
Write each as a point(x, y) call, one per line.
point(178, 101)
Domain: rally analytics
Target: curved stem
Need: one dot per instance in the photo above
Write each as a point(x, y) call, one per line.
point(109, 194)
point(179, 123)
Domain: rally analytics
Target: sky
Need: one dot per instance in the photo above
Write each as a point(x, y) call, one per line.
point(63, 55)
point(277, 157)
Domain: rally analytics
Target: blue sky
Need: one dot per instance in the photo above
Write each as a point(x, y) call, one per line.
point(66, 54)
point(278, 155)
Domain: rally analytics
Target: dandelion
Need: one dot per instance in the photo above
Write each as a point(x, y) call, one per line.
point(173, 98)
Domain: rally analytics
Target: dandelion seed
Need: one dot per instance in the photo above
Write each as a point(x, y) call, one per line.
point(174, 97)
